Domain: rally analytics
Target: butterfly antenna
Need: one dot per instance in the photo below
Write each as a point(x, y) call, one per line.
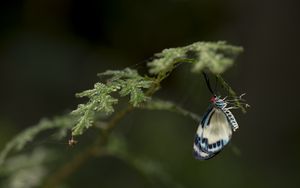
point(207, 83)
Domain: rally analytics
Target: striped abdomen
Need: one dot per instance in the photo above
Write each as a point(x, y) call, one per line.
point(231, 119)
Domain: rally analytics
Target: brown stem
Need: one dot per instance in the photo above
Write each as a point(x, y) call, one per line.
point(80, 159)
point(69, 168)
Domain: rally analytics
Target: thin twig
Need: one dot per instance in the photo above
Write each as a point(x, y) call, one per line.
point(69, 168)
point(232, 93)
point(95, 150)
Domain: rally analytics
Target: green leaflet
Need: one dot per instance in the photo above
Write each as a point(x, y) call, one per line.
point(131, 83)
point(125, 82)
point(20, 140)
point(27, 169)
point(216, 56)
point(100, 101)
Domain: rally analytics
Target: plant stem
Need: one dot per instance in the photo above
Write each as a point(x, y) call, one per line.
point(69, 168)
point(231, 92)
point(96, 149)
point(93, 151)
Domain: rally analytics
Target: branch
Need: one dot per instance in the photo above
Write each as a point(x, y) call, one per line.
point(96, 149)
point(158, 104)
point(232, 93)
point(93, 151)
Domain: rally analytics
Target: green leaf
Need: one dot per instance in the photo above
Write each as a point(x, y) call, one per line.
point(27, 170)
point(216, 56)
point(131, 83)
point(232, 93)
point(20, 140)
point(126, 82)
point(120, 74)
point(133, 87)
point(100, 100)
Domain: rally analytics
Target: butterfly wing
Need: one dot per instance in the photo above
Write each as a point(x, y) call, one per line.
point(201, 155)
point(213, 133)
point(198, 153)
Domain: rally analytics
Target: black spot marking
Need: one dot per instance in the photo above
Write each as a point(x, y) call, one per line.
point(205, 116)
point(196, 154)
point(197, 140)
point(208, 122)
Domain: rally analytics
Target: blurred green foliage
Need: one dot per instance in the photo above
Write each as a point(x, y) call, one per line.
point(51, 49)
point(101, 101)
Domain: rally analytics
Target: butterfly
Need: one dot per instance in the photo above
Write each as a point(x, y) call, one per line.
point(216, 127)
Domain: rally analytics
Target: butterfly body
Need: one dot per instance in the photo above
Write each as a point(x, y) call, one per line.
point(215, 129)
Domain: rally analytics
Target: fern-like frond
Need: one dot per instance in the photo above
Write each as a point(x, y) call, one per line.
point(100, 100)
point(133, 87)
point(19, 141)
point(131, 84)
point(216, 56)
point(115, 75)
point(125, 82)
point(26, 170)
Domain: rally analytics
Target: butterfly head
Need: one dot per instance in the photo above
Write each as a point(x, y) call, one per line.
point(218, 102)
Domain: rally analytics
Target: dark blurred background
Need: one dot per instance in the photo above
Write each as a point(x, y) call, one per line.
point(51, 49)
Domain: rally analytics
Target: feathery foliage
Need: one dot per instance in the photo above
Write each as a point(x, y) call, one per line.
point(125, 82)
point(26, 170)
point(216, 56)
point(131, 83)
point(20, 140)
point(105, 95)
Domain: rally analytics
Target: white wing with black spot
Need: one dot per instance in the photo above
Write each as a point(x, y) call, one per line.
point(213, 133)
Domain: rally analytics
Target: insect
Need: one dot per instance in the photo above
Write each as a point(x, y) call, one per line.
point(72, 142)
point(216, 127)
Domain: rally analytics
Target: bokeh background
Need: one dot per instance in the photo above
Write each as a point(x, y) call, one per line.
point(51, 49)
